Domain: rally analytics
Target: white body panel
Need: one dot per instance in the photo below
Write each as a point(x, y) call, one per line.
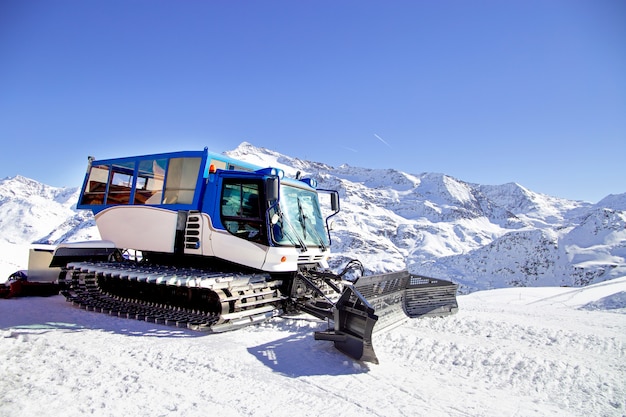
point(234, 249)
point(39, 269)
point(139, 227)
point(222, 244)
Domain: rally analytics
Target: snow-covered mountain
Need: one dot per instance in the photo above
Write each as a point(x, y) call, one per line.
point(31, 212)
point(481, 236)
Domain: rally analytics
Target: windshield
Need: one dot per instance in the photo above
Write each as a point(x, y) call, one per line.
point(301, 218)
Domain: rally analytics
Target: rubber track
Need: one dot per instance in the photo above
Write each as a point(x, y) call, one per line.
point(243, 299)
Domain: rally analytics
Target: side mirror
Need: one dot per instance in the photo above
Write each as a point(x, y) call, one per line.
point(334, 201)
point(271, 188)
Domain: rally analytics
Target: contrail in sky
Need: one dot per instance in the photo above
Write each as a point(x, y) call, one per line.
point(382, 140)
point(350, 149)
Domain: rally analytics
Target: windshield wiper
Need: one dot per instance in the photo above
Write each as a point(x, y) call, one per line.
point(303, 221)
point(301, 217)
point(284, 219)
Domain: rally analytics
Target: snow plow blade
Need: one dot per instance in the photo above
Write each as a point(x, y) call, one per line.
point(379, 301)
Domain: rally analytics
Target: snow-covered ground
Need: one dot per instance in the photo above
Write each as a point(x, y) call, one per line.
point(508, 352)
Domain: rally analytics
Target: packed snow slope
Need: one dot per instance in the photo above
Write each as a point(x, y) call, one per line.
point(508, 352)
point(480, 236)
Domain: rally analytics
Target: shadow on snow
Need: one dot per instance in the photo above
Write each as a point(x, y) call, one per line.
point(300, 355)
point(41, 314)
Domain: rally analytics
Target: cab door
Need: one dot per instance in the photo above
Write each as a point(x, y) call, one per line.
point(241, 236)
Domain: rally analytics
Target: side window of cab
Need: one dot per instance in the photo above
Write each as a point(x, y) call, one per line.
point(240, 210)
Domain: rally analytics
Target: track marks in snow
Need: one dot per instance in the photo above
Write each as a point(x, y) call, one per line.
point(528, 357)
point(488, 360)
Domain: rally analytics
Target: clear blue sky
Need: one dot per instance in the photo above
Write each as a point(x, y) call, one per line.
point(486, 91)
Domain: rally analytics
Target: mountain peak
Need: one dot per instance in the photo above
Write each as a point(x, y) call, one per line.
point(20, 187)
point(19, 179)
point(614, 201)
point(246, 148)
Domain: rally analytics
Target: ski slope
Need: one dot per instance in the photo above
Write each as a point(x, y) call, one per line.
point(508, 352)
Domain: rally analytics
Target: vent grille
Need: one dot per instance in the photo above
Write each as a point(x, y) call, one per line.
point(193, 230)
point(304, 259)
